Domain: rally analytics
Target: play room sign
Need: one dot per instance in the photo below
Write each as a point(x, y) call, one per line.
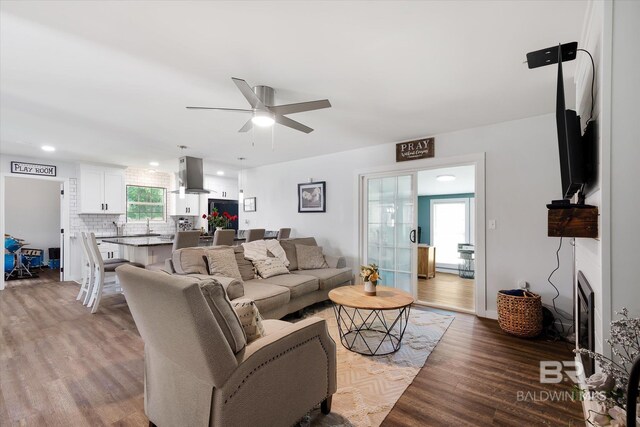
point(33, 169)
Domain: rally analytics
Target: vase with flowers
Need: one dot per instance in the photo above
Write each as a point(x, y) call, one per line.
point(219, 220)
point(370, 275)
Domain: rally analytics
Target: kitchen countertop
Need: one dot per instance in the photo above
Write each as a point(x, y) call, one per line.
point(124, 236)
point(140, 241)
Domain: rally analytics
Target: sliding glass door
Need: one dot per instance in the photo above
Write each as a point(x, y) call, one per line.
point(390, 228)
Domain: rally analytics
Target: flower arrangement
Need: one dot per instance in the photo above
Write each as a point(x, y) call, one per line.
point(369, 273)
point(613, 381)
point(217, 219)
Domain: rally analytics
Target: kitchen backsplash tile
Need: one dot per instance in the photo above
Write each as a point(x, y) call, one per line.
point(102, 224)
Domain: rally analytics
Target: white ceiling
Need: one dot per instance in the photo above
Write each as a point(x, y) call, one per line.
point(108, 81)
point(428, 185)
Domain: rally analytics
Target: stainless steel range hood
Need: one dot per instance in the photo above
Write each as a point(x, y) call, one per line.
point(191, 176)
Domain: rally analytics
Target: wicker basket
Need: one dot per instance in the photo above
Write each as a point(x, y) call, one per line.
point(520, 315)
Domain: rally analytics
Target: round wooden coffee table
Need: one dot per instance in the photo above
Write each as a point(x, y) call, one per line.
point(371, 325)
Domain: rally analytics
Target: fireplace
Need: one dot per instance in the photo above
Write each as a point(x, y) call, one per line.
point(585, 325)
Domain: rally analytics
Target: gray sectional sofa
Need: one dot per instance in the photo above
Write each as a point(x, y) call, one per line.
point(275, 296)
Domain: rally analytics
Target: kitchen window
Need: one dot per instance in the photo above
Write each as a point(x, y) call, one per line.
point(146, 203)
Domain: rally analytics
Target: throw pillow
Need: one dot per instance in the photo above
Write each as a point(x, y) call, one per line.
point(273, 246)
point(247, 270)
point(270, 267)
point(225, 314)
point(310, 257)
point(250, 318)
point(222, 262)
point(255, 250)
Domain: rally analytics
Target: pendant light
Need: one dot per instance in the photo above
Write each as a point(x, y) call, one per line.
point(241, 192)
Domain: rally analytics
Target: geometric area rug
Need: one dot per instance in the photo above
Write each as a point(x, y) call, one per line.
point(369, 386)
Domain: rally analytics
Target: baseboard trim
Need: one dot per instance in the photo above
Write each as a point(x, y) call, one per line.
point(491, 314)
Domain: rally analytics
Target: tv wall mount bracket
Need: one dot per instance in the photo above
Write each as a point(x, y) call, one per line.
point(549, 56)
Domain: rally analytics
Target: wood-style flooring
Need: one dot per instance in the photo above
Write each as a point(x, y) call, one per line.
point(62, 366)
point(448, 290)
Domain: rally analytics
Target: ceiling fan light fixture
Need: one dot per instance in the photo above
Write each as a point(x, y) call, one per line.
point(263, 119)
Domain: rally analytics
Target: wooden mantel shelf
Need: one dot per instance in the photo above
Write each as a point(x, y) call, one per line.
point(573, 222)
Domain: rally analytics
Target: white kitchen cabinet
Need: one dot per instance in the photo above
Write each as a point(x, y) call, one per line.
point(101, 190)
point(108, 250)
point(222, 188)
point(187, 206)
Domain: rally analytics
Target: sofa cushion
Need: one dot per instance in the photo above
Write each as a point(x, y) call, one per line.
point(328, 278)
point(310, 257)
point(267, 297)
point(189, 261)
point(289, 247)
point(270, 267)
point(250, 318)
point(224, 313)
point(298, 284)
point(272, 326)
point(223, 262)
point(234, 287)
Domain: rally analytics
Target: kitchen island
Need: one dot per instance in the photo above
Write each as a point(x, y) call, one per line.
point(145, 250)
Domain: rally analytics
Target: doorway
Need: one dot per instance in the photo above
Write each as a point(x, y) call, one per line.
point(446, 248)
point(34, 217)
point(394, 234)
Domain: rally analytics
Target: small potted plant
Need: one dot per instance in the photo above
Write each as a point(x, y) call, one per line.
point(370, 275)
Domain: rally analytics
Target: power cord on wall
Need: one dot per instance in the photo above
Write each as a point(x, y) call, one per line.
point(593, 81)
point(553, 301)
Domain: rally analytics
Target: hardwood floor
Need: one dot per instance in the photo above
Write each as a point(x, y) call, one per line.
point(45, 275)
point(473, 377)
point(61, 366)
point(448, 290)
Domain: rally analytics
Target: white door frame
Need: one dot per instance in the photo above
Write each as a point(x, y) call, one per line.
point(477, 160)
point(64, 220)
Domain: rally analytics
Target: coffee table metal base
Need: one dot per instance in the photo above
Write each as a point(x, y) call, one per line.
point(357, 329)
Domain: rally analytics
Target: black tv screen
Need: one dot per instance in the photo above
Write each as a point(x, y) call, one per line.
point(572, 160)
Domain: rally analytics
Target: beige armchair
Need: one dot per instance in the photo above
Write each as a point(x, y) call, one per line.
point(192, 376)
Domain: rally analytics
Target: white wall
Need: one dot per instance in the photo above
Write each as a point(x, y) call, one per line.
point(32, 212)
point(522, 176)
point(589, 251)
point(625, 154)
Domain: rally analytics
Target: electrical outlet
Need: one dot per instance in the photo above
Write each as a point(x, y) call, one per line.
point(246, 221)
point(492, 224)
point(523, 284)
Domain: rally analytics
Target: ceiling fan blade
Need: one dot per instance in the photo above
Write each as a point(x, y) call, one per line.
point(247, 126)
point(248, 93)
point(286, 121)
point(300, 107)
point(242, 110)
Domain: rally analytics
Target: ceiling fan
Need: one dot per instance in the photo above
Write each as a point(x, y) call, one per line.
point(264, 113)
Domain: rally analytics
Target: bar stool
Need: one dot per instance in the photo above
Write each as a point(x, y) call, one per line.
point(254, 234)
point(284, 233)
point(224, 237)
point(104, 273)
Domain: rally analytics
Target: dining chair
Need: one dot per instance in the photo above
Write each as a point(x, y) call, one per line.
point(254, 234)
point(284, 233)
point(104, 273)
point(224, 237)
point(186, 239)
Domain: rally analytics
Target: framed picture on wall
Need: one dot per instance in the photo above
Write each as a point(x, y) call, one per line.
point(312, 197)
point(250, 204)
